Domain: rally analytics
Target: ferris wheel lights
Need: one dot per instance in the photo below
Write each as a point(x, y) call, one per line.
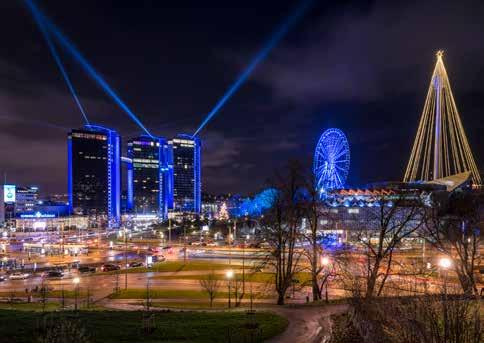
point(331, 160)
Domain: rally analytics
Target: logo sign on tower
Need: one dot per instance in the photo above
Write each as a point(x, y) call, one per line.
point(9, 194)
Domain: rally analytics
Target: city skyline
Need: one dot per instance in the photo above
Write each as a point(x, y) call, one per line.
point(379, 113)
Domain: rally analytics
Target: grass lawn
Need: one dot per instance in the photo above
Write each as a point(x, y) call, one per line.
point(121, 326)
point(140, 293)
point(262, 277)
point(34, 306)
point(202, 305)
point(50, 294)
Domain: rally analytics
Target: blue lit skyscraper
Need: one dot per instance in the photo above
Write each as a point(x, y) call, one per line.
point(149, 184)
point(94, 173)
point(186, 173)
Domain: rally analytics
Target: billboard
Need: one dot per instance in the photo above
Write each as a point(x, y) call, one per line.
point(8, 194)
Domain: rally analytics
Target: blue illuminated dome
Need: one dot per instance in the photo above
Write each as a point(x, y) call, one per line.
point(331, 160)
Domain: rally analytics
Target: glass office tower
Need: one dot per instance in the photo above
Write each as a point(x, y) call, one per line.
point(149, 183)
point(94, 181)
point(186, 173)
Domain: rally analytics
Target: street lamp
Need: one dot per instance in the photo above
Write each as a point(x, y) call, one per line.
point(229, 274)
point(445, 263)
point(325, 261)
point(76, 282)
point(125, 258)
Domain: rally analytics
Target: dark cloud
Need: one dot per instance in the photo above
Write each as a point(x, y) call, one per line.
point(368, 56)
point(362, 66)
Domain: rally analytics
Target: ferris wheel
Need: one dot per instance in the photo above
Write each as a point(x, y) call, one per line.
point(331, 160)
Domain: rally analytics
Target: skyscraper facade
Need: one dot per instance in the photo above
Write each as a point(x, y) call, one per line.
point(94, 181)
point(186, 173)
point(148, 180)
point(27, 198)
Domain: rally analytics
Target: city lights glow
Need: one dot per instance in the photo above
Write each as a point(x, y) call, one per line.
point(445, 262)
point(229, 274)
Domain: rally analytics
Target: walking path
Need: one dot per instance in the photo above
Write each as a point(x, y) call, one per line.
point(307, 324)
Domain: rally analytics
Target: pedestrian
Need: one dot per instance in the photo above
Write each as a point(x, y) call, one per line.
point(307, 298)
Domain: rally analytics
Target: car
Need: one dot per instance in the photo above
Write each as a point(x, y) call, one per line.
point(158, 258)
point(135, 264)
point(54, 274)
point(110, 267)
point(2, 278)
point(86, 269)
point(19, 276)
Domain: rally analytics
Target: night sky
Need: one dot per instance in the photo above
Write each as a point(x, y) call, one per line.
point(363, 67)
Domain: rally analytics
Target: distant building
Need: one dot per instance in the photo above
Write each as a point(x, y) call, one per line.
point(149, 183)
point(186, 174)
point(27, 198)
point(94, 174)
point(8, 196)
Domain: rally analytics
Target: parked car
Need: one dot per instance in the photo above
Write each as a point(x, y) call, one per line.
point(52, 274)
point(158, 258)
point(135, 264)
point(86, 269)
point(19, 276)
point(110, 267)
point(2, 278)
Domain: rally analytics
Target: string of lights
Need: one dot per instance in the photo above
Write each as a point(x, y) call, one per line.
point(441, 147)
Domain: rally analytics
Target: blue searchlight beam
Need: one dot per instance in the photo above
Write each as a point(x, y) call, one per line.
point(259, 57)
point(69, 46)
point(58, 61)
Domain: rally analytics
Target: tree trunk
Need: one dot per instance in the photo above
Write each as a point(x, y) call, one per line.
point(467, 284)
point(316, 290)
point(280, 299)
point(371, 283)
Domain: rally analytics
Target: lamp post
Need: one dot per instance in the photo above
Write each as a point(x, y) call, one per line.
point(445, 263)
point(125, 258)
point(325, 261)
point(76, 282)
point(229, 275)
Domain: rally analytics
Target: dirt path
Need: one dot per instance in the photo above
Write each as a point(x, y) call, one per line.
point(307, 324)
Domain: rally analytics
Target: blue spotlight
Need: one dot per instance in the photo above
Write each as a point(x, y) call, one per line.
point(58, 62)
point(69, 46)
point(259, 57)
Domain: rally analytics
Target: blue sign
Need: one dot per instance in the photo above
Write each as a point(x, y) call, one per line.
point(37, 215)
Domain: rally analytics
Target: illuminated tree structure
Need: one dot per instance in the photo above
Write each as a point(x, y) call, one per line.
point(223, 214)
point(331, 160)
point(441, 148)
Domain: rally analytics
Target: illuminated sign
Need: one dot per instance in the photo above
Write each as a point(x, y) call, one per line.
point(9, 193)
point(37, 215)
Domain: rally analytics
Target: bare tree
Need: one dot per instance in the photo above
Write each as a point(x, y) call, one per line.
point(281, 227)
point(211, 285)
point(452, 228)
point(43, 293)
point(314, 213)
point(388, 223)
